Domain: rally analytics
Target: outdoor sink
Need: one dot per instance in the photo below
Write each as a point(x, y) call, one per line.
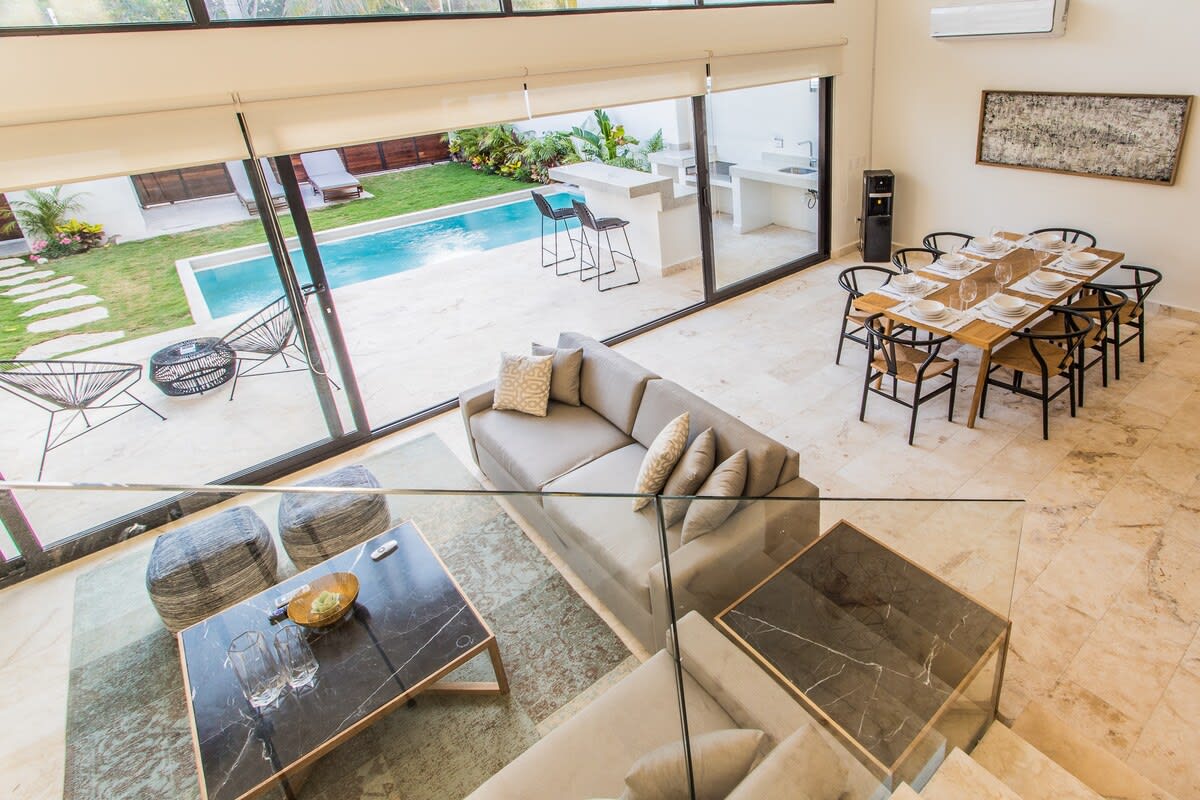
point(797, 170)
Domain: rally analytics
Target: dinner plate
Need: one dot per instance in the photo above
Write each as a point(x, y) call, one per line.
point(1081, 258)
point(962, 265)
point(1049, 280)
point(931, 310)
point(988, 246)
point(952, 260)
point(1007, 305)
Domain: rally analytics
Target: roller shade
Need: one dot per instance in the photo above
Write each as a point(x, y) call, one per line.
point(48, 153)
point(759, 69)
point(566, 92)
point(298, 125)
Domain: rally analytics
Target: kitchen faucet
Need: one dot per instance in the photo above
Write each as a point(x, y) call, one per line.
point(811, 153)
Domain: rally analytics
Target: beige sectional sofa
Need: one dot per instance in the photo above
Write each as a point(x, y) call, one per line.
point(598, 447)
point(589, 755)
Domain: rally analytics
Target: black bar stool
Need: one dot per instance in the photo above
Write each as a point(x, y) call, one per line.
point(555, 215)
point(605, 225)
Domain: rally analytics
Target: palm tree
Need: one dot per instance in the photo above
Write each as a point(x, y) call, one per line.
point(41, 213)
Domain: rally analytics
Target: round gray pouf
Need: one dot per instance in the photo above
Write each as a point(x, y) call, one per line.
point(314, 527)
point(206, 566)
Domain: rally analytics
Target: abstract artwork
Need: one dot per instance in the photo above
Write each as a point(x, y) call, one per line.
point(1137, 137)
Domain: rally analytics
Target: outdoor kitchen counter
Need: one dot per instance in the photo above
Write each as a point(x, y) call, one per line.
point(663, 226)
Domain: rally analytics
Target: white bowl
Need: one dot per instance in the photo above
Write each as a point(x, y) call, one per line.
point(1007, 303)
point(1047, 278)
point(952, 259)
point(1081, 259)
point(1047, 238)
point(989, 245)
point(929, 309)
point(906, 280)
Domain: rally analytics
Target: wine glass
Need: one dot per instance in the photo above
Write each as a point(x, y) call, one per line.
point(1003, 274)
point(968, 290)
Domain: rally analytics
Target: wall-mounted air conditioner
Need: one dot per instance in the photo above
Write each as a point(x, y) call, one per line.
point(999, 18)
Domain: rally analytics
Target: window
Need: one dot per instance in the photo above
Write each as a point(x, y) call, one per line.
point(294, 9)
point(41, 13)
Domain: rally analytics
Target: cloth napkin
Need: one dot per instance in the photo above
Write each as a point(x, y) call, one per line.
point(973, 266)
point(928, 287)
point(1027, 286)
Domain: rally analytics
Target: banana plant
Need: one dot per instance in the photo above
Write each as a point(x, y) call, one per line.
point(606, 141)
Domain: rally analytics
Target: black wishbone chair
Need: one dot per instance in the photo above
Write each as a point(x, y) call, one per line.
point(1045, 356)
point(75, 388)
point(851, 280)
point(911, 258)
point(892, 354)
point(268, 333)
point(944, 241)
point(1102, 304)
point(1132, 313)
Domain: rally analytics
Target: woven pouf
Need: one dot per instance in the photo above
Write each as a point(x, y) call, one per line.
point(314, 527)
point(199, 569)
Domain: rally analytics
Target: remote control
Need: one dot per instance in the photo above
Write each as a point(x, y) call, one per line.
point(384, 549)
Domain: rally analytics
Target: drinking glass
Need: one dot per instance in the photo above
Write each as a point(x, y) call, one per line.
point(256, 669)
point(968, 290)
point(995, 232)
point(1003, 274)
point(296, 658)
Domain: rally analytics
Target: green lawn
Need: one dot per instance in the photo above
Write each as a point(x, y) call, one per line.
point(138, 282)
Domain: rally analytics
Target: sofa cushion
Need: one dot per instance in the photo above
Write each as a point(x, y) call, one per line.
point(536, 450)
point(664, 400)
point(661, 458)
point(564, 377)
point(720, 760)
point(727, 480)
point(622, 542)
point(589, 754)
point(802, 767)
point(611, 384)
point(693, 468)
point(523, 383)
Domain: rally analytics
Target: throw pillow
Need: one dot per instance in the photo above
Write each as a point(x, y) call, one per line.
point(660, 459)
point(727, 480)
point(523, 384)
point(696, 465)
point(564, 377)
point(720, 760)
point(802, 767)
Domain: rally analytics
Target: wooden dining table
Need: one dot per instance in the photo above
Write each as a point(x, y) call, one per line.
point(984, 334)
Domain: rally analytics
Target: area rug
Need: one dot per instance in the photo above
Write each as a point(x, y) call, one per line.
point(127, 729)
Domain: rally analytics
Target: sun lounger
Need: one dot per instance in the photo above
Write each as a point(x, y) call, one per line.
point(328, 174)
point(241, 185)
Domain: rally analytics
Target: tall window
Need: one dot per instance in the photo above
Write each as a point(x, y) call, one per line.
point(38, 13)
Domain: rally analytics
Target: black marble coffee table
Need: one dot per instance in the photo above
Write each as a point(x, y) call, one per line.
point(411, 625)
point(898, 664)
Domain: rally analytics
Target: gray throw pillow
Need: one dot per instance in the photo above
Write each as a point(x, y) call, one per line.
point(523, 384)
point(727, 480)
point(660, 459)
point(696, 464)
point(564, 377)
point(720, 760)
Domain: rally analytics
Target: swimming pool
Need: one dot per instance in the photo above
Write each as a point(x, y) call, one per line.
point(244, 286)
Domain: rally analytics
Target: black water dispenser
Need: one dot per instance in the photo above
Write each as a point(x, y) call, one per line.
point(875, 224)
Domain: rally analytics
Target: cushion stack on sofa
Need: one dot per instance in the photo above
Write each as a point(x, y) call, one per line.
point(600, 445)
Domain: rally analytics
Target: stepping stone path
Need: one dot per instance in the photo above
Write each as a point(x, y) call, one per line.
point(14, 271)
point(62, 305)
point(37, 287)
point(27, 277)
point(72, 320)
point(57, 291)
point(70, 343)
point(30, 286)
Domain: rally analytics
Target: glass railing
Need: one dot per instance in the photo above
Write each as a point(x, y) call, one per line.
point(458, 642)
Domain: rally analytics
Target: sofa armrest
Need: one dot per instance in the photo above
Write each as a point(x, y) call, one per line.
point(471, 402)
point(711, 572)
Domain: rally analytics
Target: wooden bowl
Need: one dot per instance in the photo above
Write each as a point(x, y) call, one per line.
point(344, 584)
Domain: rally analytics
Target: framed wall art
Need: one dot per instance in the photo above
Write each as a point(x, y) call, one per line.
point(1135, 137)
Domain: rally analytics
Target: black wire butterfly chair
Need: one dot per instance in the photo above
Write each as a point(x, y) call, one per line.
point(75, 388)
point(269, 333)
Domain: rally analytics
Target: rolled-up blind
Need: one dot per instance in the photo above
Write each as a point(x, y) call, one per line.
point(302, 124)
point(759, 69)
point(566, 92)
point(48, 153)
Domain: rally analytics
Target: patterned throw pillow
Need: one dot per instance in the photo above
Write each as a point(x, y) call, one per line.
point(523, 384)
point(660, 459)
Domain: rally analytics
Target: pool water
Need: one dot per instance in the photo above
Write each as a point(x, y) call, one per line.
point(245, 286)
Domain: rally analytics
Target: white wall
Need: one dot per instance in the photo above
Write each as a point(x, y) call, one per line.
point(744, 122)
point(927, 115)
point(173, 69)
point(111, 202)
